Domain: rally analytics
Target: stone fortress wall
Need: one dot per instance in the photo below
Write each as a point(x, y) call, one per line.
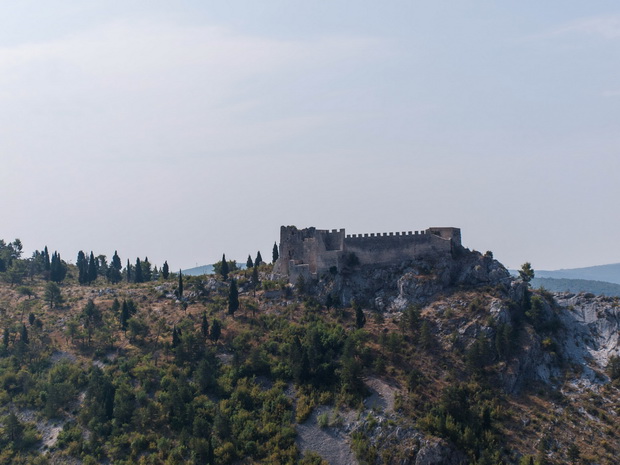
point(309, 252)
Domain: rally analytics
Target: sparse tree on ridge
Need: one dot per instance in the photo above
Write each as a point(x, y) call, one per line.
point(58, 268)
point(224, 269)
point(137, 273)
point(128, 271)
point(147, 272)
point(249, 264)
point(92, 268)
point(258, 260)
point(114, 271)
point(180, 285)
point(165, 271)
point(526, 273)
point(275, 254)
point(82, 266)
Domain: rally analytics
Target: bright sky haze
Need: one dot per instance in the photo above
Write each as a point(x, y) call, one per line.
point(184, 130)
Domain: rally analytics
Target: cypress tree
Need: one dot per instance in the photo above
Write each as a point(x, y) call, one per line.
point(5, 338)
point(216, 330)
point(249, 263)
point(165, 271)
point(258, 259)
point(275, 253)
point(137, 275)
point(82, 266)
point(224, 269)
point(92, 268)
point(128, 269)
point(233, 298)
point(180, 285)
point(24, 334)
point(176, 340)
point(204, 327)
point(58, 269)
point(124, 315)
point(114, 271)
point(147, 273)
point(46, 259)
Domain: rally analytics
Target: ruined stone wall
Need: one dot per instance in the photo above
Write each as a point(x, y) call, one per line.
point(392, 248)
point(310, 251)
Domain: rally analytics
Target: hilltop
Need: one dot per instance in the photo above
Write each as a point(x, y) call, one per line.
point(444, 363)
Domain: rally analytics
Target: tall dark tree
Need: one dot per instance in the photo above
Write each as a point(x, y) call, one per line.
point(204, 326)
point(176, 339)
point(137, 273)
point(58, 268)
point(360, 318)
point(147, 272)
point(128, 272)
point(224, 268)
point(114, 271)
point(92, 268)
point(233, 298)
point(46, 259)
point(6, 335)
point(275, 254)
point(180, 284)
point(24, 335)
point(82, 266)
point(165, 271)
point(249, 263)
point(125, 315)
point(258, 260)
point(216, 330)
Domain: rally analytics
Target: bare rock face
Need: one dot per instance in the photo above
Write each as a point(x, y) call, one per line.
point(439, 452)
point(394, 287)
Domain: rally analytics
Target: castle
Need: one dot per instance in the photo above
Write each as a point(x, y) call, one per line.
point(311, 252)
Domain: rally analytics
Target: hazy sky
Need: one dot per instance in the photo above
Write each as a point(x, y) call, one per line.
point(182, 130)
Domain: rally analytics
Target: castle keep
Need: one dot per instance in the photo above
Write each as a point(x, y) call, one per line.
point(310, 252)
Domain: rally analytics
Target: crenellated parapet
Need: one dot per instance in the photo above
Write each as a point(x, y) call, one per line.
point(310, 251)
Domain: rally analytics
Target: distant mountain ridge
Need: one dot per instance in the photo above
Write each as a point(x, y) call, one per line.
point(608, 273)
point(577, 285)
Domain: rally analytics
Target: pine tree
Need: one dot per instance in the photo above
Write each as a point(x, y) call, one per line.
point(165, 271)
point(224, 269)
point(92, 268)
point(180, 284)
point(233, 298)
point(258, 259)
point(275, 253)
point(137, 275)
point(204, 326)
point(52, 294)
point(249, 264)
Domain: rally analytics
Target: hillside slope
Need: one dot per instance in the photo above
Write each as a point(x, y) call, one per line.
point(443, 363)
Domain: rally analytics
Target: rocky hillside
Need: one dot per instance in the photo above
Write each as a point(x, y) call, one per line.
point(449, 362)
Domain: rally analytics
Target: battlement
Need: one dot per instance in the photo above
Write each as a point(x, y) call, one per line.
point(310, 251)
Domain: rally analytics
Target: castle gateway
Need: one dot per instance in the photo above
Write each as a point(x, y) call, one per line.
point(310, 252)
